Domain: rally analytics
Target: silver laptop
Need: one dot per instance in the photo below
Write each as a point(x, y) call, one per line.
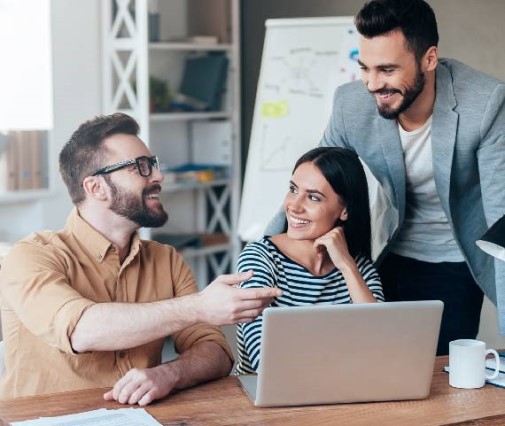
point(326, 354)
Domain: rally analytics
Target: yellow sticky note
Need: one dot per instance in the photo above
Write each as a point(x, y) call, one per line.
point(275, 109)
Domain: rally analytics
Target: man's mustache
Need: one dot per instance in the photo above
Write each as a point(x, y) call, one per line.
point(156, 188)
point(385, 92)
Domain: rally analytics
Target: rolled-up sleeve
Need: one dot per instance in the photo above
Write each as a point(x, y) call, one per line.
point(35, 286)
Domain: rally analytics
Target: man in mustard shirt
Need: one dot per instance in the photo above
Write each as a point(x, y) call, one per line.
point(90, 305)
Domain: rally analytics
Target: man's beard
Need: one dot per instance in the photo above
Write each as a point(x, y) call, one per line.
point(129, 205)
point(409, 96)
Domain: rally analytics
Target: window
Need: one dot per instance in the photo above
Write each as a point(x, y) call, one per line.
point(26, 101)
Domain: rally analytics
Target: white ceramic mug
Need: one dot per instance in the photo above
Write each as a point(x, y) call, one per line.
point(467, 363)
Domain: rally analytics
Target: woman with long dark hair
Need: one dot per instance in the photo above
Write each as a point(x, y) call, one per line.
point(324, 256)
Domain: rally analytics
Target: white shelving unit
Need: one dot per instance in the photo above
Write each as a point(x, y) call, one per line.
point(190, 46)
point(129, 59)
point(25, 195)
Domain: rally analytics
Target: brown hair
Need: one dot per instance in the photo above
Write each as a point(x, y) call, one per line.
point(81, 155)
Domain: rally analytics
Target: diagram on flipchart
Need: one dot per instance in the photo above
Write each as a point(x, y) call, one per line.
point(304, 60)
point(300, 83)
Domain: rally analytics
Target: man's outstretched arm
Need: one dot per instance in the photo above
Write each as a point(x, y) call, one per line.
point(220, 303)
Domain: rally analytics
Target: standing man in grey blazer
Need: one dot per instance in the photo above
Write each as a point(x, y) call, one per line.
point(433, 134)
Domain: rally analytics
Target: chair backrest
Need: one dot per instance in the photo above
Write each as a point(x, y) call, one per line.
point(2, 365)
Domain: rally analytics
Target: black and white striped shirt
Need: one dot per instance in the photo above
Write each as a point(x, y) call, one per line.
point(299, 287)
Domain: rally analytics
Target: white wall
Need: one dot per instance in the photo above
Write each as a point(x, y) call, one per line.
point(77, 87)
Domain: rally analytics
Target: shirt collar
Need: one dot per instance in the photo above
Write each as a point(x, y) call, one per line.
point(93, 240)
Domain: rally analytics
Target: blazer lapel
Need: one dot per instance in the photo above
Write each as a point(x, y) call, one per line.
point(443, 134)
point(393, 153)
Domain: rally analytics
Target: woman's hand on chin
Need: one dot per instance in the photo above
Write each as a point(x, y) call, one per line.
point(335, 244)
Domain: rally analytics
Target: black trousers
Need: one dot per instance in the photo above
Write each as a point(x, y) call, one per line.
point(404, 278)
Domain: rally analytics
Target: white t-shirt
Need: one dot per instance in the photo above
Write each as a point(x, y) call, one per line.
point(426, 234)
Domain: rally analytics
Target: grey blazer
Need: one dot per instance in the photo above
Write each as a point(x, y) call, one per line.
point(468, 144)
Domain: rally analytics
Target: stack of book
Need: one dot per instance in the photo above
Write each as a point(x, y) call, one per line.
point(191, 173)
point(21, 161)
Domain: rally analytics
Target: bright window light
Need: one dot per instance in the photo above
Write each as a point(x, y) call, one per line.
point(26, 89)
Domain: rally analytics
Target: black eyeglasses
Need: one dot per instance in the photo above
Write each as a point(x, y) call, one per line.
point(144, 166)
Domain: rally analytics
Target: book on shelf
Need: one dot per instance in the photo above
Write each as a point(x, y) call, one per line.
point(183, 240)
point(12, 162)
point(35, 160)
point(194, 173)
point(183, 103)
point(204, 80)
point(214, 239)
point(210, 17)
point(24, 162)
point(21, 161)
point(204, 39)
point(4, 164)
point(178, 240)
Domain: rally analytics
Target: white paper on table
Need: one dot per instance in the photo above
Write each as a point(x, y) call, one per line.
point(100, 417)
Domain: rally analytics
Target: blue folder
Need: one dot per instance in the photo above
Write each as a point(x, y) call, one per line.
point(204, 79)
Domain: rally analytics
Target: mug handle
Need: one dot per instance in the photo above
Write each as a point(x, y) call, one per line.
point(497, 366)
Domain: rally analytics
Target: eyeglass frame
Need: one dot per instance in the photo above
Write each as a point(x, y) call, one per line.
point(151, 161)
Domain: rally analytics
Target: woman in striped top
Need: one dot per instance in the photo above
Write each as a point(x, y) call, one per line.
point(324, 257)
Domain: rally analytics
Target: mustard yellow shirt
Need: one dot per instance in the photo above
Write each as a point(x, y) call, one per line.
point(50, 278)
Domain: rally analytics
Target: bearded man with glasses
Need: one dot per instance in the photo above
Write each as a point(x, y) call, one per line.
point(91, 305)
point(133, 207)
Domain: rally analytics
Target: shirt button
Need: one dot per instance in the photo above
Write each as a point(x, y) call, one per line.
point(122, 354)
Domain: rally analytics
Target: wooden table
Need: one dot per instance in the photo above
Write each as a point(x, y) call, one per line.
point(224, 403)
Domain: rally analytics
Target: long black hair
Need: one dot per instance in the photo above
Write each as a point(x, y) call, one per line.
point(344, 172)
